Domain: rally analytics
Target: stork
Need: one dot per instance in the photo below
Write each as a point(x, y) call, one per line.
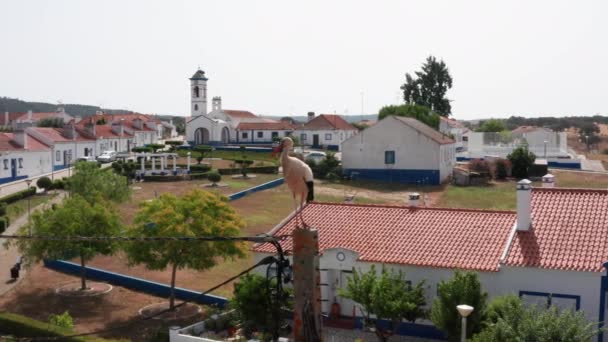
point(298, 177)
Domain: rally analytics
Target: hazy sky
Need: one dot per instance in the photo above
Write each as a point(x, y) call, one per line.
point(288, 57)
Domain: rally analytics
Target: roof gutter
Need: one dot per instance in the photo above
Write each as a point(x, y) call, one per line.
point(503, 256)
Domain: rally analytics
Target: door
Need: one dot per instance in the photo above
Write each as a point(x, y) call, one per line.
point(14, 168)
point(315, 140)
point(346, 305)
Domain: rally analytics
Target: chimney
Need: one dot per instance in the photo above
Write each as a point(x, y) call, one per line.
point(414, 199)
point(548, 181)
point(311, 115)
point(216, 103)
point(524, 205)
point(21, 137)
point(29, 115)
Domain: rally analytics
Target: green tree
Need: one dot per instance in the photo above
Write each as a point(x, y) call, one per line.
point(420, 113)
point(521, 160)
point(156, 147)
point(202, 151)
point(90, 181)
point(51, 122)
point(198, 213)
point(44, 183)
point(388, 296)
point(142, 149)
point(63, 320)
point(75, 217)
point(126, 169)
point(463, 288)
point(491, 125)
point(255, 306)
point(588, 133)
point(429, 87)
point(510, 320)
point(214, 177)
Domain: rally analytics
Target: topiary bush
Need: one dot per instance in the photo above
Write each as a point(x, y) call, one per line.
point(44, 183)
point(214, 177)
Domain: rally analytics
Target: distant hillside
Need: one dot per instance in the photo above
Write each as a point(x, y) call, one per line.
point(8, 104)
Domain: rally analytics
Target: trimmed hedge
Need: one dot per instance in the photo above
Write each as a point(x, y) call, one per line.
point(21, 326)
point(254, 169)
point(167, 178)
point(2, 208)
point(199, 175)
point(197, 168)
point(3, 224)
point(18, 195)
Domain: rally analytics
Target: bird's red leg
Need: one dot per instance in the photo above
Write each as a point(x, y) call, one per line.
point(295, 205)
point(302, 199)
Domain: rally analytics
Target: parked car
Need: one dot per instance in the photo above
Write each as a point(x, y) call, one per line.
point(107, 157)
point(315, 156)
point(86, 159)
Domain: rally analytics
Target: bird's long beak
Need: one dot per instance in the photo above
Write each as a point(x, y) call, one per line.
point(277, 150)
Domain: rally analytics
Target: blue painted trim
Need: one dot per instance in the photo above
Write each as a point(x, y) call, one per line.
point(59, 167)
point(154, 288)
point(556, 295)
point(422, 177)
point(11, 179)
point(408, 329)
point(265, 186)
point(574, 165)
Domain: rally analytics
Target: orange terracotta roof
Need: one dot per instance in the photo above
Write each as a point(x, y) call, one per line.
point(423, 128)
point(427, 237)
point(55, 134)
point(239, 113)
point(261, 126)
point(7, 143)
point(105, 131)
point(569, 231)
point(328, 121)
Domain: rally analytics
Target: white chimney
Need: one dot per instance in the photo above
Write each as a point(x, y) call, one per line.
point(548, 181)
point(21, 137)
point(311, 115)
point(524, 205)
point(29, 115)
point(414, 199)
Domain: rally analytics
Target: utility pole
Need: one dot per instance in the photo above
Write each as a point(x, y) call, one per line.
point(307, 293)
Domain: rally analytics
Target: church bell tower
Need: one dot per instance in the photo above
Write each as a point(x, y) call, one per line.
point(198, 93)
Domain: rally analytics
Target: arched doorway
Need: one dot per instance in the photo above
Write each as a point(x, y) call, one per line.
point(201, 136)
point(225, 135)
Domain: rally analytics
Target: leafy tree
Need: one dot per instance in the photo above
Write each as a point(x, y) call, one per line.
point(198, 213)
point(75, 217)
point(491, 125)
point(89, 181)
point(156, 147)
point(51, 122)
point(255, 306)
point(501, 167)
point(244, 162)
point(44, 183)
point(214, 177)
point(521, 160)
point(420, 113)
point(202, 151)
point(126, 169)
point(429, 87)
point(588, 133)
point(387, 296)
point(463, 288)
point(510, 320)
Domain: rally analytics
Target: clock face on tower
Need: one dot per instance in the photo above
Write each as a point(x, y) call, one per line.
point(340, 256)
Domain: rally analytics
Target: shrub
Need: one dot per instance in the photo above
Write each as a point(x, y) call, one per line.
point(44, 183)
point(463, 288)
point(521, 160)
point(63, 320)
point(2, 208)
point(156, 147)
point(18, 195)
point(200, 168)
point(142, 149)
point(202, 175)
point(3, 224)
point(214, 177)
point(501, 167)
point(479, 165)
point(605, 151)
point(59, 184)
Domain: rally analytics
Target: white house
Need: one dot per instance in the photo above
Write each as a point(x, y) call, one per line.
point(325, 130)
point(22, 156)
point(399, 149)
point(456, 130)
point(66, 144)
point(551, 251)
point(263, 132)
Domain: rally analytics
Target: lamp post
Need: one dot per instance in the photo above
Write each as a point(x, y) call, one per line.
point(28, 182)
point(587, 141)
point(545, 148)
point(464, 311)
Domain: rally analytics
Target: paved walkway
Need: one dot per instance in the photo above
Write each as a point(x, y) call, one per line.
point(9, 256)
point(341, 335)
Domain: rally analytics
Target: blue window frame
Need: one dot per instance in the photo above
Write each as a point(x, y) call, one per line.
point(389, 157)
point(558, 299)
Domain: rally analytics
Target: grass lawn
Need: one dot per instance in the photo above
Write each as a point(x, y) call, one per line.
point(497, 196)
point(379, 186)
point(570, 179)
point(16, 209)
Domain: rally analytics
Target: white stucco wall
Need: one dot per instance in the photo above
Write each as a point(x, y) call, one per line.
point(413, 150)
point(336, 136)
point(28, 163)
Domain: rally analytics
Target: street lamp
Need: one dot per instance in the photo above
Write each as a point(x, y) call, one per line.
point(587, 141)
point(28, 182)
point(545, 148)
point(464, 311)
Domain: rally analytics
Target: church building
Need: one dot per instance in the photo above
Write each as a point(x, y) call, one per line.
point(219, 126)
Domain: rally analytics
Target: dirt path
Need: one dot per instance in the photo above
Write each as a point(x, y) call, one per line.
point(427, 198)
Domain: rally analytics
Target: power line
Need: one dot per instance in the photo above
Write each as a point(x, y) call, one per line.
point(258, 239)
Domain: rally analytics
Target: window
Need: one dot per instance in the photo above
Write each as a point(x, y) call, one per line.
point(288, 134)
point(542, 299)
point(389, 157)
point(195, 108)
point(303, 136)
point(5, 164)
point(328, 136)
point(465, 138)
point(244, 135)
point(58, 156)
point(21, 163)
point(195, 92)
point(275, 134)
point(260, 134)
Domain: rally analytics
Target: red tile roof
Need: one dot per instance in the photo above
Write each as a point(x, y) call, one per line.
point(239, 113)
point(569, 231)
point(427, 237)
point(328, 121)
point(426, 130)
point(261, 126)
point(55, 134)
point(7, 143)
point(22, 116)
point(105, 131)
